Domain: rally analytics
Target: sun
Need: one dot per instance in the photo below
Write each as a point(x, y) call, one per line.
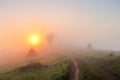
point(35, 39)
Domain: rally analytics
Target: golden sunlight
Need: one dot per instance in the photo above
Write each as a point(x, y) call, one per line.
point(35, 39)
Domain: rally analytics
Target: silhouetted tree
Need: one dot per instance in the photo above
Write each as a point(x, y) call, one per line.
point(50, 38)
point(31, 56)
point(31, 53)
point(111, 54)
point(89, 46)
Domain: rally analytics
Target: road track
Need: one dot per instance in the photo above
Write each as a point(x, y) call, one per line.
point(76, 74)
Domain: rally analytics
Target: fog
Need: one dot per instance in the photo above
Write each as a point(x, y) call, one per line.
point(74, 23)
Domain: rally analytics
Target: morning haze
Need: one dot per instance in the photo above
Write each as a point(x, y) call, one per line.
point(73, 24)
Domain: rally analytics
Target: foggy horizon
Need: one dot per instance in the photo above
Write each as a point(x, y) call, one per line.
point(75, 24)
point(59, 40)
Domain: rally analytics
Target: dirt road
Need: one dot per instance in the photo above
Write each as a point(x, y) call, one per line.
point(76, 74)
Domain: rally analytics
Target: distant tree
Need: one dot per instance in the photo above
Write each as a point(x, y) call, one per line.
point(89, 46)
point(50, 38)
point(31, 53)
point(31, 56)
point(111, 54)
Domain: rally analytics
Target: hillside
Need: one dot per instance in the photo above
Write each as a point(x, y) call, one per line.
point(58, 71)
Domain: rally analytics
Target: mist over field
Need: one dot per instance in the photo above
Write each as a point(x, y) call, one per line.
point(68, 39)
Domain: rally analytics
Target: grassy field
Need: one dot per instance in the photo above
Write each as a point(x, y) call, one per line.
point(93, 65)
point(101, 66)
point(89, 73)
point(57, 71)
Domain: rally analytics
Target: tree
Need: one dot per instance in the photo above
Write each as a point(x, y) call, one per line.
point(89, 46)
point(31, 56)
point(50, 38)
